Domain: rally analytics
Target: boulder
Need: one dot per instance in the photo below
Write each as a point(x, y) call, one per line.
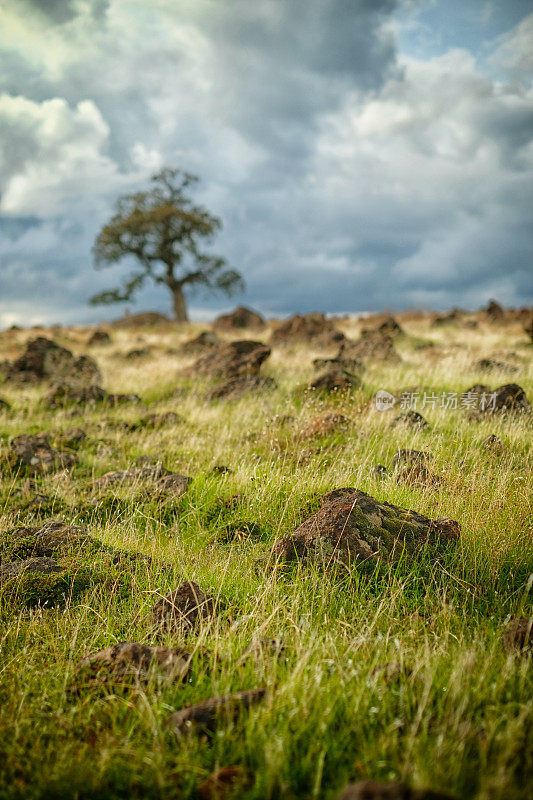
point(494, 311)
point(223, 782)
point(510, 399)
point(14, 569)
point(184, 608)
point(145, 319)
point(34, 454)
point(324, 424)
point(131, 661)
point(240, 318)
point(411, 419)
point(351, 527)
point(238, 387)
point(52, 538)
point(232, 360)
point(493, 365)
point(334, 380)
point(43, 359)
point(312, 329)
point(98, 337)
point(164, 481)
point(344, 363)
point(206, 716)
point(202, 343)
point(373, 345)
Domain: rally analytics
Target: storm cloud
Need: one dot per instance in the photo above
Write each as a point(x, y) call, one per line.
point(351, 172)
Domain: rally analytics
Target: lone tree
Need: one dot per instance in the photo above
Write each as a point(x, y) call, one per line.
point(164, 230)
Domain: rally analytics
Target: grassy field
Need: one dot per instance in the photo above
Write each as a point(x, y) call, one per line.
point(456, 715)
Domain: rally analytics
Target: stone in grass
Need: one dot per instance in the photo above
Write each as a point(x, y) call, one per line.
point(234, 388)
point(352, 527)
point(261, 649)
point(163, 419)
point(185, 608)
point(375, 790)
point(208, 715)
point(52, 538)
point(98, 337)
point(493, 365)
point(200, 344)
point(378, 472)
point(164, 481)
point(409, 456)
point(518, 635)
point(232, 360)
point(223, 783)
point(510, 399)
point(4, 405)
point(334, 380)
point(411, 419)
point(44, 359)
point(44, 566)
point(324, 424)
point(34, 454)
point(131, 661)
point(493, 444)
point(42, 581)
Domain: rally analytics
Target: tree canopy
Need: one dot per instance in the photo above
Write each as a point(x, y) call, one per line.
point(164, 230)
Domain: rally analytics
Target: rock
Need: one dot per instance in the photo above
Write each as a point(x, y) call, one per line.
point(98, 337)
point(494, 311)
point(232, 360)
point(492, 365)
point(184, 608)
point(72, 437)
point(45, 566)
point(379, 472)
point(373, 345)
point(165, 481)
point(335, 380)
point(510, 399)
point(52, 538)
point(120, 399)
point(238, 387)
point(374, 790)
point(61, 394)
point(34, 453)
point(386, 325)
point(418, 475)
point(344, 363)
point(240, 318)
point(222, 783)
point(38, 502)
point(447, 318)
point(134, 355)
point(312, 329)
point(412, 419)
point(259, 649)
point(206, 716)
point(43, 359)
point(221, 469)
point(518, 635)
point(204, 341)
point(158, 420)
point(4, 405)
point(145, 319)
point(351, 526)
point(324, 424)
point(131, 661)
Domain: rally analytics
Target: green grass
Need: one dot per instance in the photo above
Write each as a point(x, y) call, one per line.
point(457, 715)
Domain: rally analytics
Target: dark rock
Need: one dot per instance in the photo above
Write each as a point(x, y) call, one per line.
point(158, 420)
point(518, 635)
point(373, 345)
point(127, 661)
point(494, 311)
point(52, 538)
point(134, 355)
point(511, 399)
point(43, 359)
point(240, 318)
point(184, 608)
point(38, 502)
point(221, 469)
point(4, 405)
point(232, 360)
point(346, 364)
point(351, 526)
point(238, 387)
point(326, 423)
point(374, 790)
point(62, 394)
point(335, 380)
point(492, 365)
point(204, 341)
point(222, 783)
point(416, 474)
point(98, 337)
point(207, 716)
point(313, 329)
point(412, 419)
point(34, 453)
point(45, 566)
point(120, 399)
point(145, 319)
point(72, 437)
point(379, 472)
point(165, 481)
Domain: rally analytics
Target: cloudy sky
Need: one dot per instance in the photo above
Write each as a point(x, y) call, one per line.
point(363, 154)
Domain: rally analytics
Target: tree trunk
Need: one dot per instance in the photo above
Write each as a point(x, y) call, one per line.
point(179, 304)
